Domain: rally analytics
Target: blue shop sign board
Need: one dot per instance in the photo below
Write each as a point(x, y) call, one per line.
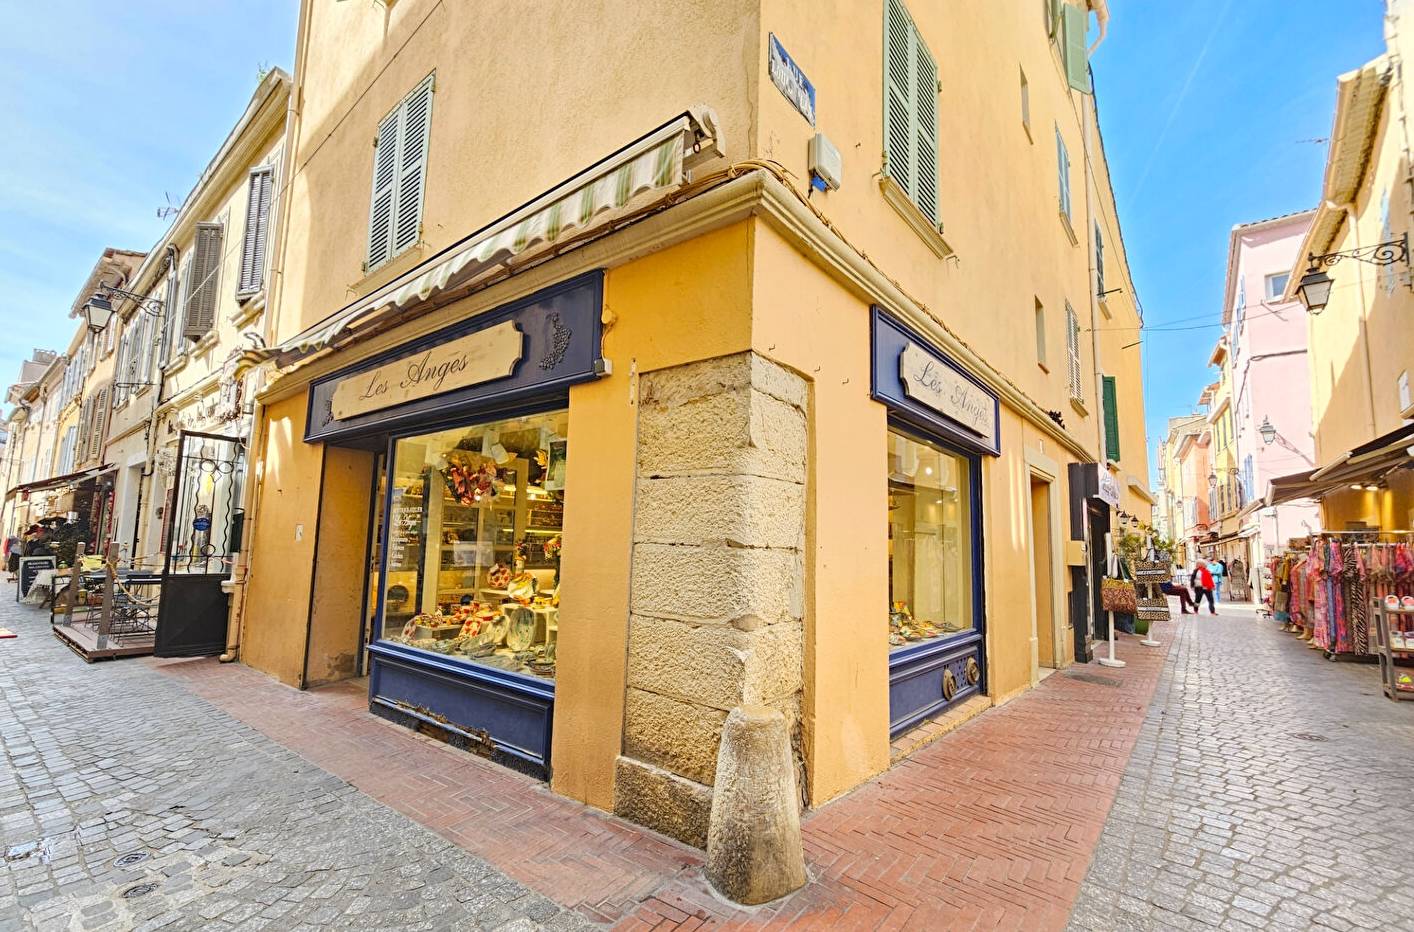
point(925, 387)
point(791, 81)
point(547, 342)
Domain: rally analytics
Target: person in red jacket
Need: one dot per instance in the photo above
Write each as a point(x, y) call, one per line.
point(1202, 587)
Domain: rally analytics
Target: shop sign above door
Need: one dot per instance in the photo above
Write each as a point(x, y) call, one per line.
point(947, 391)
point(470, 360)
point(1108, 491)
point(923, 385)
point(519, 353)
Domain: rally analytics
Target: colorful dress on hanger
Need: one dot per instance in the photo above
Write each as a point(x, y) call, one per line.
point(1356, 602)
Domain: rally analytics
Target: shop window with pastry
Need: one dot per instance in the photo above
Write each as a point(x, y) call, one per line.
point(930, 543)
point(473, 542)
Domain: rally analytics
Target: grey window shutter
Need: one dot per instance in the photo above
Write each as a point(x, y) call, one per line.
point(1072, 348)
point(385, 172)
point(412, 165)
point(1099, 262)
point(100, 422)
point(257, 223)
point(925, 129)
point(85, 426)
point(898, 95)
point(1063, 173)
point(202, 288)
point(1077, 65)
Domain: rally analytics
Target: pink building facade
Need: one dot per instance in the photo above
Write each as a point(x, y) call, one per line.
point(1271, 394)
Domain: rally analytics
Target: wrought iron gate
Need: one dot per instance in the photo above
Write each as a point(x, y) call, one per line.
point(203, 537)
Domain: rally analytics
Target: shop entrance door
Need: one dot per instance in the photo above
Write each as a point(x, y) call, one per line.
point(203, 537)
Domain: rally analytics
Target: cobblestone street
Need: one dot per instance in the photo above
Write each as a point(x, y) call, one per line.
point(1269, 789)
point(1264, 791)
point(127, 802)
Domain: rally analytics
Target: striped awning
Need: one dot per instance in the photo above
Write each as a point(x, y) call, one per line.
point(642, 173)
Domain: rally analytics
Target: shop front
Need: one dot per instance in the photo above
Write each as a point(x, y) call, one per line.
point(942, 422)
point(468, 428)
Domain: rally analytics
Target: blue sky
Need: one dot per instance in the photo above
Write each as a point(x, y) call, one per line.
point(108, 110)
point(1207, 109)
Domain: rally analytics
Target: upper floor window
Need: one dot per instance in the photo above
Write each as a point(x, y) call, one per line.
point(1099, 263)
point(910, 111)
point(257, 233)
point(1041, 335)
point(1072, 349)
point(1025, 104)
point(399, 175)
point(202, 288)
point(1276, 284)
point(1063, 175)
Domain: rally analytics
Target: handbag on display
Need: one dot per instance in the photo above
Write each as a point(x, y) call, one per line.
point(1118, 595)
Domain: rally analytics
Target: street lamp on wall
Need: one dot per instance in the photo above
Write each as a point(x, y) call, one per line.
point(1268, 431)
point(98, 311)
point(1314, 289)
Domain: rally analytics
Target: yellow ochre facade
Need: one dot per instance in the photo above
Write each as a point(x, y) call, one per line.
point(751, 431)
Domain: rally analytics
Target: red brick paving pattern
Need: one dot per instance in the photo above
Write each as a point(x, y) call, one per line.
point(990, 827)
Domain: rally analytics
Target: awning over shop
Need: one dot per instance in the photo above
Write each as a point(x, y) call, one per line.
point(638, 176)
point(73, 478)
point(1365, 463)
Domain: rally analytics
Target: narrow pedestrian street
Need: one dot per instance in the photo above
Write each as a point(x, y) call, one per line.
point(1254, 792)
point(1269, 789)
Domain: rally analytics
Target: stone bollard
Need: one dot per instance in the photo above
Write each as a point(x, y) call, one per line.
point(753, 839)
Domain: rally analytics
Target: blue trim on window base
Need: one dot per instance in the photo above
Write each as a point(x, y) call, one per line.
point(505, 716)
point(916, 678)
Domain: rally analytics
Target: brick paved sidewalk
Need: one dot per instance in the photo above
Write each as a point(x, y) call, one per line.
point(990, 827)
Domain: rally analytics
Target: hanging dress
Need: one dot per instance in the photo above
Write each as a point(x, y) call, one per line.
point(1357, 604)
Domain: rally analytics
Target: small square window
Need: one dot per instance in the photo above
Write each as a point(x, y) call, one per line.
point(1276, 284)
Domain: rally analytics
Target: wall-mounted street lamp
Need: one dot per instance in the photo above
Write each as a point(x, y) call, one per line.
point(1268, 431)
point(98, 311)
point(1315, 287)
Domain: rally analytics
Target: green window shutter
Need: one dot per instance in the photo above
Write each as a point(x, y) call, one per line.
point(385, 174)
point(898, 95)
point(1111, 419)
point(925, 128)
point(1077, 70)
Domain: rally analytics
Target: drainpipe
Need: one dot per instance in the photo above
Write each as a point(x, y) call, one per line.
point(169, 307)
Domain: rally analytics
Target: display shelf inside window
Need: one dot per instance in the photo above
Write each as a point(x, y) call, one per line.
point(487, 592)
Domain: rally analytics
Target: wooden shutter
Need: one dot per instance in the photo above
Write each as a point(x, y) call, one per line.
point(412, 165)
point(898, 95)
point(85, 427)
point(385, 174)
point(1077, 66)
point(1111, 403)
point(1063, 173)
point(925, 128)
point(202, 288)
point(1072, 349)
point(1053, 17)
point(257, 223)
point(1099, 262)
point(99, 426)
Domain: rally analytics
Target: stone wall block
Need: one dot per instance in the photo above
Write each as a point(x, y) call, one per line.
point(743, 432)
point(716, 584)
point(680, 384)
point(743, 511)
point(663, 801)
point(672, 734)
point(713, 665)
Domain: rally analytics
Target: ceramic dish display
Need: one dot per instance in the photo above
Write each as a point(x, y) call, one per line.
point(520, 633)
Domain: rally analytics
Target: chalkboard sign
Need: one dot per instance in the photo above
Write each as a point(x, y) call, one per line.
point(30, 567)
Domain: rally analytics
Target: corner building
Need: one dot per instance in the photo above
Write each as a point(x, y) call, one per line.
point(586, 420)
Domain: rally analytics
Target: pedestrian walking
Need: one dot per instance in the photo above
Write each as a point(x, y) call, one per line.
point(1217, 569)
point(1203, 587)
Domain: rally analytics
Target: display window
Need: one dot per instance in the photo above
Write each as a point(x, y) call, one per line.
point(473, 536)
point(930, 542)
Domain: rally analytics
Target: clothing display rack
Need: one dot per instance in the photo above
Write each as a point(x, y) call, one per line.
point(1330, 590)
point(1394, 636)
